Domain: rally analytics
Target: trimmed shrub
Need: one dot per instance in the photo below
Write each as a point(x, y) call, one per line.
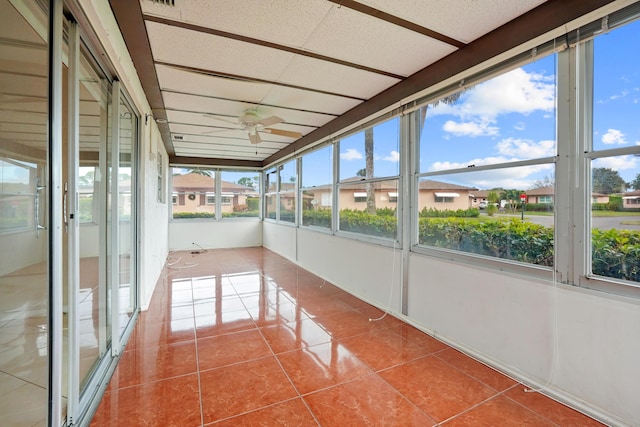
point(318, 218)
point(616, 253)
point(514, 240)
point(366, 223)
point(538, 207)
point(448, 213)
point(615, 203)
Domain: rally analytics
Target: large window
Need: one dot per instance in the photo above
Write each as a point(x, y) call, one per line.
point(485, 178)
point(288, 178)
point(316, 189)
point(615, 157)
point(195, 190)
point(369, 180)
point(196, 193)
point(240, 195)
point(18, 194)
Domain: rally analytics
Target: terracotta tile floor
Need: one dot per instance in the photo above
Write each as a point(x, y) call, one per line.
point(244, 337)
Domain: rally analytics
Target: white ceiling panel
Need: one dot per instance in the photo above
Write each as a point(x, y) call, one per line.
point(190, 82)
point(463, 20)
point(232, 108)
point(362, 39)
point(214, 128)
point(307, 100)
point(335, 78)
point(287, 22)
point(190, 48)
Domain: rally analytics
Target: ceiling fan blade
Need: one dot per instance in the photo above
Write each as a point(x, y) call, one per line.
point(255, 138)
point(221, 119)
point(281, 132)
point(271, 120)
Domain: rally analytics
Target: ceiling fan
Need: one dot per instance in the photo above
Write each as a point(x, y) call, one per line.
point(253, 124)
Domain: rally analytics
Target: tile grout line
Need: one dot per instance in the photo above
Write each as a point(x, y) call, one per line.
point(195, 336)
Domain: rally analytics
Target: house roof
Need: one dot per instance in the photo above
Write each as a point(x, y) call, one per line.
point(428, 184)
point(194, 181)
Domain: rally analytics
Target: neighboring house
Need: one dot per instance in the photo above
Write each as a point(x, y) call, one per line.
point(442, 195)
point(540, 195)
point(545, 195)
point(631, 199)
point(197, 193)
point(432, 194)
point(599, 198)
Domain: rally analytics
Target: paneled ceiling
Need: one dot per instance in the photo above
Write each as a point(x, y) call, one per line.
point(318, 65)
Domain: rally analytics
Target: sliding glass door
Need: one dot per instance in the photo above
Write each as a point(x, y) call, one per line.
point(24, 213)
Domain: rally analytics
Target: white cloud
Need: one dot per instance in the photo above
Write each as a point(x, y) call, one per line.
point(619, 95)
point(471, 129)
point(394, 156)
point(521, 177)
point(520, 126)
point(526, 149)
point(514, 92)
point(613, 136)
point(618, 163)
point(351, 154)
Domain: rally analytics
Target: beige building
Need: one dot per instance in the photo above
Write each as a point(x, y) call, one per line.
point(197, 193)
point(631, 199)
point(432, 194)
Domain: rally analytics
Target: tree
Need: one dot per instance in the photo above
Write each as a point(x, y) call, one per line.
point(547, 181)
point(368, 154)
point(513, 197)
point(248, 182)
point(635, 184)
point(607, 181)
point(493, 199)
point(199, 171)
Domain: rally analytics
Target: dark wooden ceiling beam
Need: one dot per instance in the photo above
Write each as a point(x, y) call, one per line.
point(129, 17)
point(264, 43)
point(378, 14)
point(213, 162)
point(546, 17)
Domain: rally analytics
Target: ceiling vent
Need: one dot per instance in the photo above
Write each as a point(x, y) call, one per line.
point(165, 2)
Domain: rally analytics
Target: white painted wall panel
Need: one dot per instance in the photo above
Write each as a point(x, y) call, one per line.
point(363, 269)
point(581, 344)
point(280, 239)
point(214, 234)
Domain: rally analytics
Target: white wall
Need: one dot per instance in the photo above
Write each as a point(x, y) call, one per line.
point(280, 239)
point(25, 250)
point(583, 345)
point(153, 232)
point(214, 234)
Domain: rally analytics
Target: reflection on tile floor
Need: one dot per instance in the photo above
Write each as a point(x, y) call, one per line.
point(244, 337)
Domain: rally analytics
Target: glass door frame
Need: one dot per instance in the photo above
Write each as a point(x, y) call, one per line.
point(81, 403)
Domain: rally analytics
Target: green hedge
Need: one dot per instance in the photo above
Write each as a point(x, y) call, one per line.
point(538, 207)
point(514, 240)
point(616, 253)
point(448, 213)
point(318, 218)
point(365, 223)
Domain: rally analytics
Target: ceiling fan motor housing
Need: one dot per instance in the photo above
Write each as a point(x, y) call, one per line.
point(249, 118)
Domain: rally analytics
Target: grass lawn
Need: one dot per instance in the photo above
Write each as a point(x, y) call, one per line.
point(594, 213)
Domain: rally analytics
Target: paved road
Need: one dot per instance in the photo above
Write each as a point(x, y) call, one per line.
point(602, 222)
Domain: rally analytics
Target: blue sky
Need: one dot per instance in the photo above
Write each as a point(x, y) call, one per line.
point(513, 117)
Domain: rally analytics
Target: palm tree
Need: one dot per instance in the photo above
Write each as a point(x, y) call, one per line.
point(368, 154)
point(198, 171)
